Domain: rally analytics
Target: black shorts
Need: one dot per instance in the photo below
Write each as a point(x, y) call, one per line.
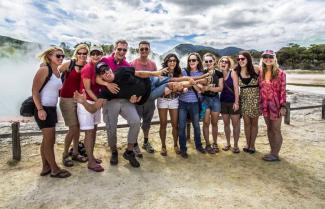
point(51, 118)
point(226, 108)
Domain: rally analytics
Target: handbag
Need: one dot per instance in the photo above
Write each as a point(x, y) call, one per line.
point(27, 108)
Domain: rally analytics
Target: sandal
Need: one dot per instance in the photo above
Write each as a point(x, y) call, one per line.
point(226, 148)
point(61, 174)
point(45, 173)
point(163, 151)
point(177, 150)
point(215, 147)
point(245, 149)
point(271, 158)
point(209, 149)
point(251, 151)
point(98, 161)
point(235, 150)
point(79, 158)
point(67, 162)
point(97, 168)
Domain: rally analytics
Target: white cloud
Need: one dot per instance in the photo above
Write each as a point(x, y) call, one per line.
point(249, 24)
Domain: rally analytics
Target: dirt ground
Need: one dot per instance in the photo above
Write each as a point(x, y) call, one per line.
point(224, 180)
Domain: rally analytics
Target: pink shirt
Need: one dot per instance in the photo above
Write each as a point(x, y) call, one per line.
point(88, 72)
point(272, 95)
point(148, 66)
point(112, 63)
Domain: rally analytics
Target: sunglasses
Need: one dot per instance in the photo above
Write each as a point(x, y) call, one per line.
point(122, 49)
point(208, 61)
point(241, 59)
point(79, 53)
point(94, 53)
point(192, 60)
point(60, 56)
point(224, 61)
point(267, 56)
point(144, 49)
point(172, 61)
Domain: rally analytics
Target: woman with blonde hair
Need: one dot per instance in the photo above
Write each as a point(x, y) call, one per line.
point(230, 102)
point(45, 98)
point(72, 76)
point(272, 82)
point(211, 100)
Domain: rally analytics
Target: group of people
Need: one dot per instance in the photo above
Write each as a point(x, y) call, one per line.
point(90, 83)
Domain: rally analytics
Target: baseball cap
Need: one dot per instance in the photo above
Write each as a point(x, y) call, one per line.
point(96, 48)
point(269, 52)
point(101, 67)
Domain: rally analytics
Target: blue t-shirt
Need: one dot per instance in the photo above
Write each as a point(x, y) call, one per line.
point(190, 96)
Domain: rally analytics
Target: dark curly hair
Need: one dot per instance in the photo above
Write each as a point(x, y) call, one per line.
point(177, 71)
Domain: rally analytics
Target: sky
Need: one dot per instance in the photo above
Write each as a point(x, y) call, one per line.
point(250, 24)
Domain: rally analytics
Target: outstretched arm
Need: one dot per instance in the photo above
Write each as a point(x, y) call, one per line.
point(147, 74)
point(92, 108)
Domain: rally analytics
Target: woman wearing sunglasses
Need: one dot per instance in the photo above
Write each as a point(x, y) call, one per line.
point(230, 102)
point(169, 103)
point(72, 76)
point(272, 82)
point(45, 107)
point(189, 104)
point(88, 121)
point(211, 101)
point(249, 98)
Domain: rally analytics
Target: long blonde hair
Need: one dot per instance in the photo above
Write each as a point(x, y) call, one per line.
point(80, 46)
point(44, 56)
point(230, 60)
point(275, 68)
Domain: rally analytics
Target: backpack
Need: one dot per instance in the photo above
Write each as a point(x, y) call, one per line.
point(27, 108)
point(65, 75)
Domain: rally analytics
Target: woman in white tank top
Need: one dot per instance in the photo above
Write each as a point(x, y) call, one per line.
point(45, 107)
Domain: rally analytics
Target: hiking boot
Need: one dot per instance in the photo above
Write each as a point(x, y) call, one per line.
point(129, 155)
point(201, 149)
point(137, 151)
point(114, 158)
point(184, 154)
point(147, 146)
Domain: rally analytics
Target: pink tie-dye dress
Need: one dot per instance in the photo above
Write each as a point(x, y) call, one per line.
point(272, 95)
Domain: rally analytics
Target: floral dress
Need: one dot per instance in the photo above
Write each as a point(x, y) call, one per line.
point(272, 95)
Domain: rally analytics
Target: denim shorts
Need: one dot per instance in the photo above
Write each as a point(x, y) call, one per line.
point(212, 103)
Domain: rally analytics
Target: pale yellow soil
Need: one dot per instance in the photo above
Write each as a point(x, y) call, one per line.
point(224, 180)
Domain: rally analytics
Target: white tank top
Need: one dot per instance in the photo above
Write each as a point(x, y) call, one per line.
point(50, 92)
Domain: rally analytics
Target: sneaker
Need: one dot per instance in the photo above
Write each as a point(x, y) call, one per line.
point(184, 154)
point(201, 149)
point(114, 158)
point(131, 158)
point(137, 152)
point(147, 146)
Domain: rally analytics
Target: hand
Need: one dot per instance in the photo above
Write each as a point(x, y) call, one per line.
point(41, 114)
point(283, 111)
point(185, 90)
point(235, 107)
point(192, 81)
point(162, 71)
point(134, 99)
point(167, 91)
point(80, 98)
point(113, 87)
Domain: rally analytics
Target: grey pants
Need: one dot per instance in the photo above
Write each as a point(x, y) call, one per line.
point(146, 112)
point(127, 110)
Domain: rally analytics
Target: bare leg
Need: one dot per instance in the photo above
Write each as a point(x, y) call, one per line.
point(89, 147)
point(206, 126)
point(254, 131)
point(226, 121)
point(163, 125)
point(247, 129)
point(214, 122)
point(277, 139)
point(173, 113)
point(45, 164)
point(235, 120)
point(48, 149)
point(73, 134)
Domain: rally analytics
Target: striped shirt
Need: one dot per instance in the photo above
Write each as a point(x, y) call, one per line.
point(189, 96)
